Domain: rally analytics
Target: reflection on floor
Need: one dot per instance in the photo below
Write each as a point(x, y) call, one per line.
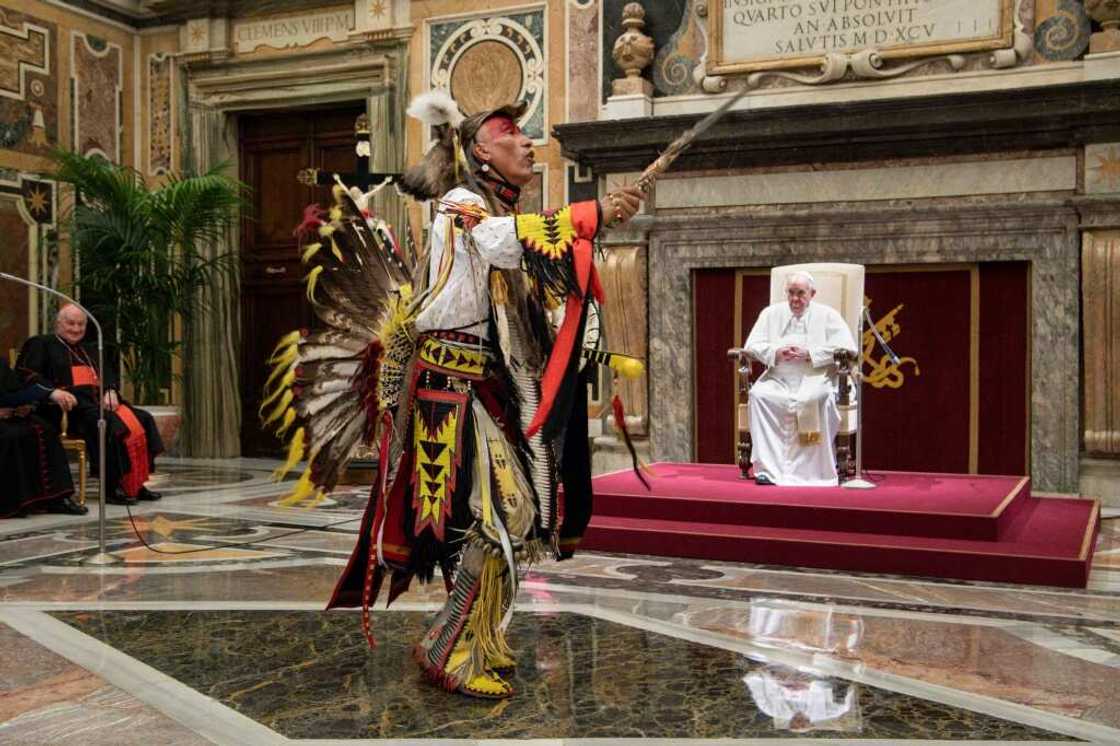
point(216, 635)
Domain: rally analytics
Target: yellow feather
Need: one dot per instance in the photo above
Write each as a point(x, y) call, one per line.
point(320, 496)
point(288, 378)
point(326, 229)
point(336, 252)
point(303, 487)
point(285, 384)
point(312, 279)
point(309, 251)
point(295, 455)
point(285, 402)
point(285, 357)
point(289, 418)
point(287, 340)
point(337, 191)
point(335, 214)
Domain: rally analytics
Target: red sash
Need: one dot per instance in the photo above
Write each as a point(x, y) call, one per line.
point(585, 218)
point(83, 375)
point(137, 445)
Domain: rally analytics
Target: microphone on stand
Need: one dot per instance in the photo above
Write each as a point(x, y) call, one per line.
point(102, 557)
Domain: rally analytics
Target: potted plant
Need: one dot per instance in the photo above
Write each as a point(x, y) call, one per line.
point(141, 267)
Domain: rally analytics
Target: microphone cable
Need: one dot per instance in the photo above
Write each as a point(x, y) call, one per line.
point(229, 545)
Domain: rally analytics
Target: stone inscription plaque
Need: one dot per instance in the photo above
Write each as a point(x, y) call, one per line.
point(293, 31)
point(767, 34)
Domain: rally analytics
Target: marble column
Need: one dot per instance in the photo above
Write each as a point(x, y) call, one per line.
point(1100, 288)
point(625, 330)
point(211, 380)
point(624, 323)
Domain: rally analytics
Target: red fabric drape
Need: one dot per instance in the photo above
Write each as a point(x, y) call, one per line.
point(136, 442)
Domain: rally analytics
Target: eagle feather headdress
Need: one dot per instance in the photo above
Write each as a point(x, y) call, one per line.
point(328, 387)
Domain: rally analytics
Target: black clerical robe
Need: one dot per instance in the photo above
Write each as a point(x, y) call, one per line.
point(32, 462)
point(132, 439)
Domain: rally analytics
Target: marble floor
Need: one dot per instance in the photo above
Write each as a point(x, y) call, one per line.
point(211, 630)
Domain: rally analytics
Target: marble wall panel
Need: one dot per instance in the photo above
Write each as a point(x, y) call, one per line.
point(1042, 231)
point(897, 181)
point(583, 60)
point(96, 81)
point(1102, 168)
point(14, 312)
point(533, 193)
point(160, 124)
point(29, 109)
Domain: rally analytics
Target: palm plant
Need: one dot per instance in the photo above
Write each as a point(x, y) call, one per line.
point(139, 255)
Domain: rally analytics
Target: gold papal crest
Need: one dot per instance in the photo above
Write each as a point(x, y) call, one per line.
point(882, 372)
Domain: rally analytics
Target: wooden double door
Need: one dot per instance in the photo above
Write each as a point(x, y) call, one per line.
point(274, 147)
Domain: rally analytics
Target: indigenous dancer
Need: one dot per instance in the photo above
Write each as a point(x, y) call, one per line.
point(467, 385)
point(33, 464)
point(132, 442)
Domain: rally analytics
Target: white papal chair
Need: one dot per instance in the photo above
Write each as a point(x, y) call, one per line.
point(840, 286)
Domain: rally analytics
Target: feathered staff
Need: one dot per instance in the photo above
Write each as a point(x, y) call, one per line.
point(645, 182)
point(678, 146)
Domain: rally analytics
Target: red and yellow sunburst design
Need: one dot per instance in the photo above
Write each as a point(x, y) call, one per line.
point(550, 234)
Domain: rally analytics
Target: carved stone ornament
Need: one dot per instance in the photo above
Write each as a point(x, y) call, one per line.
point(872, 63)
point(1064, 35)
point(1107, 14)
point(633, 51)
point(864, 64)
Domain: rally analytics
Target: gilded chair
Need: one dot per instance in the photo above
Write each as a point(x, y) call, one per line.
point(840, 286)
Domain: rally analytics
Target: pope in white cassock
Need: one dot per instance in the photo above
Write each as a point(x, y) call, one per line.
point(793, 412)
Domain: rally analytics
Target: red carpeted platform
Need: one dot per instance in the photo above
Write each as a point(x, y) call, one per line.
point(943, 525)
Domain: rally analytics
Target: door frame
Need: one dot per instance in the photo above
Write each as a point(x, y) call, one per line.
point(217, 89)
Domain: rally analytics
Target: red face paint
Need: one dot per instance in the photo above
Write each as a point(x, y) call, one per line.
point(499, 126)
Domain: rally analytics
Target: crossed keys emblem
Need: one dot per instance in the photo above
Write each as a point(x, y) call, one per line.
point(881, 372)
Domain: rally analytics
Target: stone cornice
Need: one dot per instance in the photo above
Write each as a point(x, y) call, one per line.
point(1098, 212)
point(1021, 119)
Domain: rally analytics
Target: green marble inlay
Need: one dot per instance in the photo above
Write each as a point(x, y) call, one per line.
point(310, 675)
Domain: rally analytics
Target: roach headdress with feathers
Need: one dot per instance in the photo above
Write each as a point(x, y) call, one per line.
point(446, 162)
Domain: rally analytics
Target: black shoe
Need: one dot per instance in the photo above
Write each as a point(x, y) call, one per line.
point(119, 498)
point(67, 506)
point(763, 481)
point(147, 494)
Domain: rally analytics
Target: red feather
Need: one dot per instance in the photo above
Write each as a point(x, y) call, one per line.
point(620, 424)
point(365, 382)
point(312, 219)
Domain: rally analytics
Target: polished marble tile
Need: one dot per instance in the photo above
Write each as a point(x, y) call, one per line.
point(732, 580)
point(310, 674)
point(46, 699)
point(1036, 659)
point(41, 546)
point(1034, 666)
point(278, 582)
